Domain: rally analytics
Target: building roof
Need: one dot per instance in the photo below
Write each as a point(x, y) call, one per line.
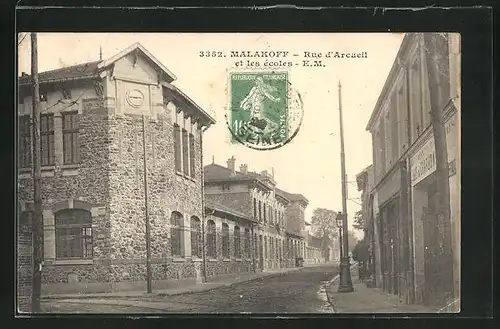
point(92, 70)
point(393, 73)
point(313, 241)
point(79, 71)
point(292, 196)
point(210, 204)
point(169, 76)
point(180, 95)
point(217, 173)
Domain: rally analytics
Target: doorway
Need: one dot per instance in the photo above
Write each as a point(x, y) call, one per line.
point(431, 265)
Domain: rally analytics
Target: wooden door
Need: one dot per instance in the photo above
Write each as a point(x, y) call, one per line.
point(431, 268)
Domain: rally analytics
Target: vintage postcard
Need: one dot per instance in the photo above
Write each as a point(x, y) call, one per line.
point(238, 173)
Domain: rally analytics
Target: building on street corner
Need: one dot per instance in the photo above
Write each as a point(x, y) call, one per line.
point(93, 170)
point(404, 201)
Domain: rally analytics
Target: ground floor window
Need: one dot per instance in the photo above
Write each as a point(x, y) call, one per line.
point(211, 239)
point(196, 237)
point(73, 234)
point(175, 233)
point(225, 240)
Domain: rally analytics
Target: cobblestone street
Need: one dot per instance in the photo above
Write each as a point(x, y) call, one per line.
point(296, 292)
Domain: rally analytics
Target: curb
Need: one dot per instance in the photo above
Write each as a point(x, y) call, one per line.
point(329, 284)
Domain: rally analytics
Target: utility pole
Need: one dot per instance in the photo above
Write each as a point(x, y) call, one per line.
point(434, 45)
point(345, 284)
point(37, 228)
point(146, 210)
point(203, 213)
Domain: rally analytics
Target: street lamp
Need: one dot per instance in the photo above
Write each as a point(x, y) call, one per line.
point(345, 284)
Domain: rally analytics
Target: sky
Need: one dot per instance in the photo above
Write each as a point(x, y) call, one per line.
point(310, 163)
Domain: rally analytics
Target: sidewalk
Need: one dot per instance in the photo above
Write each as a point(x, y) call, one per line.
point(212, 283)
point(369, 300)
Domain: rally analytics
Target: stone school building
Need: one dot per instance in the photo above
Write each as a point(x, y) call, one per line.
point(109, 130)
point(276, 217)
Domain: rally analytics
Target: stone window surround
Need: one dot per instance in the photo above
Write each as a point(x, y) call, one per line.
point(186, 230)
point(49, 241)
point(218, 227)
point(265, 201)
point(58, 166)
point(191, 129)
point(279, 241)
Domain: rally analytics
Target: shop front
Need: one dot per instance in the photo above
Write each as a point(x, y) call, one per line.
point(392, 229)
point(429, 266)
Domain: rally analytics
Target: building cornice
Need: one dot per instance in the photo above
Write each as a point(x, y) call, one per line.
point(448, 111)
point(392, 77)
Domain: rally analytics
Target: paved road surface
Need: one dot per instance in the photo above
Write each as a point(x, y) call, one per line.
point(296, 292)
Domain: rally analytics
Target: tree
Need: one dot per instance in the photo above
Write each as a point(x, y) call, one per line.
point(359, 221)
point(324, 226)
point(353, 240)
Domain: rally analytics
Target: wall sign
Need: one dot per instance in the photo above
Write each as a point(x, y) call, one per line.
point(135, 98)
point(423, 163)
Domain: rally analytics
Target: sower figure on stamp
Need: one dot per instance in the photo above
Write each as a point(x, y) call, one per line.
point(254, 102)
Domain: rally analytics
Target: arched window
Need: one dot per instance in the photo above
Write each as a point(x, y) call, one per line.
point(246, 246)
point(73, 234)
point(175, 234)
point(211, 239)
point(196, 237)
point(237, 242)
point(225, 240)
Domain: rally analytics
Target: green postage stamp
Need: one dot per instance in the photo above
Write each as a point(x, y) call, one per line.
point(262, 109)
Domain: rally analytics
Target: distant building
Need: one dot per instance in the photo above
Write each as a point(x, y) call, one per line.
point(275, 217)
point(93, 165)
point(365, 180)
point(404, 199)
point(314, 253)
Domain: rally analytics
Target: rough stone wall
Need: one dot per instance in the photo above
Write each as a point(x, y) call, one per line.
point(167, 192)
point(88, 182)
point(24, 266)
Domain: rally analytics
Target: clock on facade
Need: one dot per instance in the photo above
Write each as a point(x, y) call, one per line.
point(135, 98)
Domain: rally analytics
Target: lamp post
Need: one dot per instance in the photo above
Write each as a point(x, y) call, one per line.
point(339, 225)
point(345, 284)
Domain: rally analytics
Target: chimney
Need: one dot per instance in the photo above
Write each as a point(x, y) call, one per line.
point(264, 173)
point(231, 163)
point(244, 168)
